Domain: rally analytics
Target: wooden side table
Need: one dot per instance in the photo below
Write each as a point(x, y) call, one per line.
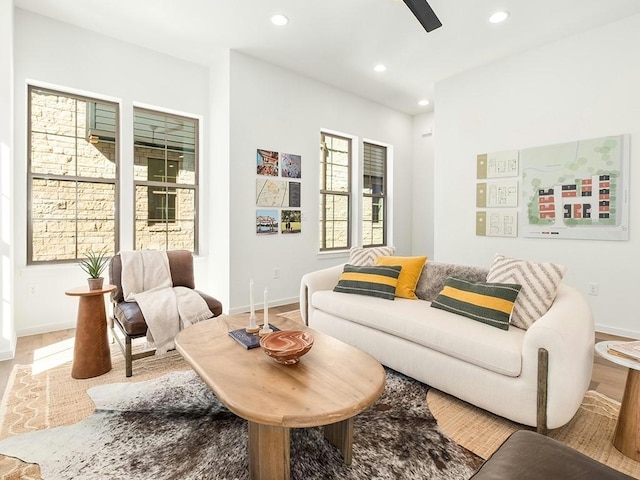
point(626, 438)
point(91, 353)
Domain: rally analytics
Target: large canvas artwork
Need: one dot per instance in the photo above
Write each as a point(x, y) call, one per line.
point(577, 190)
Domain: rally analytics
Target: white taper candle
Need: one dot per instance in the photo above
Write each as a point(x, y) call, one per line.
point(266, 310)
point(251, 298)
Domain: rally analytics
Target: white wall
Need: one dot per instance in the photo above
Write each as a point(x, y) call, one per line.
point(580, 87)
point(422, 187)
point(7, 329)
point(60, 55)
point(275, 109)
point(245, 104)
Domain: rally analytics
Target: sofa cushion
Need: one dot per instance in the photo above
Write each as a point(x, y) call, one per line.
point(409, 275)
point(366, 257)
point(371, 281)
point(434, 274)
point(490, 303)
point(454, 335)
point(539, 282)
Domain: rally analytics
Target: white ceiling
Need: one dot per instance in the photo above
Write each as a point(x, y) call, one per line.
point(339, 41)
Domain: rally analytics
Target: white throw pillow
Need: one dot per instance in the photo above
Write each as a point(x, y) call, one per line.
point(366, 257)
point(539, 282)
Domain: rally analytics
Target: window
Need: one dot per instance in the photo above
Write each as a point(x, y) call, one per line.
point(335, 192)
point(166, 180)
point(162, 207)
point(374, 231)
point(72, 176)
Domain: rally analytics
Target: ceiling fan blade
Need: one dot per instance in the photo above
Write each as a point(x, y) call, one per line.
point(424, 13)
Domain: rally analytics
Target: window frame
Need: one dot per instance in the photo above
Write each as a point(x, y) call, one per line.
point(31, 176)
point(324, 192)
point(383, 195)
point(171, 185)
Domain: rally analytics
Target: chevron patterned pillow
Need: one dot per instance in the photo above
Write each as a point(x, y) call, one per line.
point(366, 257)
point(540, 282)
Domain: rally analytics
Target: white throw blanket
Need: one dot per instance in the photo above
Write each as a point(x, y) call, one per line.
point(146, 279)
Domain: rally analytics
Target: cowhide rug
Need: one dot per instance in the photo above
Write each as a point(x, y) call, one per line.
point(173, 427)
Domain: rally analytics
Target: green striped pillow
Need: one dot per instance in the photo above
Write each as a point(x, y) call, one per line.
point(490, 303)
point(378, 281)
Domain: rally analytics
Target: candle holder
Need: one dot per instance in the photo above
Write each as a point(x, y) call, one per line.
point(253, 327)
point(265, 330)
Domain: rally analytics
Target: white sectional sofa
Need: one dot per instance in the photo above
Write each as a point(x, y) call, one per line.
point(536, 377)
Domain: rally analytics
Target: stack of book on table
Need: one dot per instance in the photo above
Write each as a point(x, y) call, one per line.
point(630, 350)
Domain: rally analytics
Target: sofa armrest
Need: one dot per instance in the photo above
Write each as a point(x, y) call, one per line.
point(566, 331)
point(324, 279)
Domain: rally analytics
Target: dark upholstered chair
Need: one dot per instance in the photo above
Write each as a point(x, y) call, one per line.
point(127, 315)
point(528, 455)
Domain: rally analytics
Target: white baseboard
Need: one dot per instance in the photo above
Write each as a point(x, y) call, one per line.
point(617, 331)
point(45, 328)
point(274, 303)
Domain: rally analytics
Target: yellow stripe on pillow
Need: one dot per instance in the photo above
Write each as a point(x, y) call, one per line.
point(364, 277)
point(478, 299)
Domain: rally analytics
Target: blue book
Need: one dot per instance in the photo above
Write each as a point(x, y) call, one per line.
point(248, 340)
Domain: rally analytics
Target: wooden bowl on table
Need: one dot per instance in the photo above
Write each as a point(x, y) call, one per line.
point(287, 346)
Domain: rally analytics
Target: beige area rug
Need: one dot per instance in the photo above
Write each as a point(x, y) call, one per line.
point(38, 397)
point(52, 398)
point(589, 432)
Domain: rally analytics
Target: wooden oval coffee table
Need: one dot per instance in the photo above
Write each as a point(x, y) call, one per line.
point(329, 386)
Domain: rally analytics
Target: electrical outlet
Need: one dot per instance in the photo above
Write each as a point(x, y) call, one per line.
point(32, 288)
point(594, 288)
point(276, 273)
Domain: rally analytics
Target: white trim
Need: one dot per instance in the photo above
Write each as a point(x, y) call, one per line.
point(169, 111)
point(202, 191)
point(274, 303)
point(10, 353)
point(621, 332)
point(45, 328)
point(71, 91)
point(334, 254)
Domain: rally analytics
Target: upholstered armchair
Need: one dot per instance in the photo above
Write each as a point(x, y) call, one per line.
point(128, 317)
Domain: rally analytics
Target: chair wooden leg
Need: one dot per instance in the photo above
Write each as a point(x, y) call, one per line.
point(306, 305)
point(543, 376)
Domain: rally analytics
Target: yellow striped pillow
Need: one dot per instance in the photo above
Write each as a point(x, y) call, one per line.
point(372, 281)
point(490, 303)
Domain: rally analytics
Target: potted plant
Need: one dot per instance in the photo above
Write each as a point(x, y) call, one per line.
point(94, 264)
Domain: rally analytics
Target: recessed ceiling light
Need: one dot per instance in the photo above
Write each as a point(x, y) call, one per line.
point(380, 68)
point(279, 19)
point(498, 17)
point(423, 102)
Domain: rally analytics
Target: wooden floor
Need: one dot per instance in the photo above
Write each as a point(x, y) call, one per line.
point(608, 378)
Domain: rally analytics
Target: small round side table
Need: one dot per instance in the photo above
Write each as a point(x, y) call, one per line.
point(626, 438)
point(91, 353)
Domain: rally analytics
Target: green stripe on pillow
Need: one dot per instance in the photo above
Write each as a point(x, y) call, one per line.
point(490, 303)
point(372, 281)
